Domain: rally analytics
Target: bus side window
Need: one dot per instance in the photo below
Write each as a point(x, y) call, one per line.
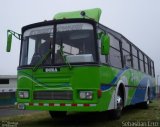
point(31, 50)
point(149, 63)
point(146, 65)
point(126, 53)
point(141, 61)
point(135, 58)
point(152, 69)
point(114, 57)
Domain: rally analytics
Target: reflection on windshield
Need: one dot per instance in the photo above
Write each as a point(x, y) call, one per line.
point(76, 40)
point(38, 42)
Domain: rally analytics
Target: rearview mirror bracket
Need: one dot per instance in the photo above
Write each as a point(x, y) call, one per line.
point(9, 38)
point(15, 34)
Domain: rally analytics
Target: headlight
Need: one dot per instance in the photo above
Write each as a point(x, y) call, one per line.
point(86, 95)
point(23, 94)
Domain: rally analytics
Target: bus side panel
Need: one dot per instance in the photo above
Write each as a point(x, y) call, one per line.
point(108, 86)
point(142, 83)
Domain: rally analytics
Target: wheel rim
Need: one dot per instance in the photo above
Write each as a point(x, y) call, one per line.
point(119, 103)
point(148, 100)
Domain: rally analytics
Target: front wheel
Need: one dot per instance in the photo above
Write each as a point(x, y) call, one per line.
point(57, 114)
point(116, 113)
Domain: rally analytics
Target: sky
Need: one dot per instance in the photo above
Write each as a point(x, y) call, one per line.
point(137, 20)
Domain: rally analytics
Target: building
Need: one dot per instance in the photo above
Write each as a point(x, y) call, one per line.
point(8, 85)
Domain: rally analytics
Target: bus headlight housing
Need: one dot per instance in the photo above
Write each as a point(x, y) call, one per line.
point(23, 94)
point(86, 95)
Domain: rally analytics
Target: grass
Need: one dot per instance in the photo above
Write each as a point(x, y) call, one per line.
point(132, 113)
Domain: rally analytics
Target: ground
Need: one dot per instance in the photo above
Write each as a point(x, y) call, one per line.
point(43, 119)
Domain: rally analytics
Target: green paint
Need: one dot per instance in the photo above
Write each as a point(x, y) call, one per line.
point(91, 13)
point(105, 45)
point(9, 42)
point(78, 78)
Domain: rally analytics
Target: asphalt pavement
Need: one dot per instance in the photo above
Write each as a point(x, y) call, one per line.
point(12, 111)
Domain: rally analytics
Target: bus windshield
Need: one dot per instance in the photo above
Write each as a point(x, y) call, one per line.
point(76, 40)
point(74, 43)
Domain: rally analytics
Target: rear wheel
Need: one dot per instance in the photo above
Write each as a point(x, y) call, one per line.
point(57, 114)
point(116, 113)
point(145, 104)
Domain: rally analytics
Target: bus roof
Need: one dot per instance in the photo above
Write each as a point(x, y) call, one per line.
point(91, 13)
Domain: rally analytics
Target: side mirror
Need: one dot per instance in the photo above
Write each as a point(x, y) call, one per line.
point(9, 42)
point(105, 44)
point(9, 39)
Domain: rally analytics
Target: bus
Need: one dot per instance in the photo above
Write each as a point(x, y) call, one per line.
point(74, 63)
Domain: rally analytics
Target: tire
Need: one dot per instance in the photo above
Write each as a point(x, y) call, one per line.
point(116, 113)
point(145, 105)
point(57, 114)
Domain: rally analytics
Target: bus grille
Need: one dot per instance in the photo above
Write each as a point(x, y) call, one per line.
point(53, 95)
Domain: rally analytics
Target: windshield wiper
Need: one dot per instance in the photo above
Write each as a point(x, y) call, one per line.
point(46, 56)
point(42, 60)
point(64, 58)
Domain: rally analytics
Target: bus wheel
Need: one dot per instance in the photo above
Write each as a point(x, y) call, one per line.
point(145, 104)
point(116, 113)
point(57, 114)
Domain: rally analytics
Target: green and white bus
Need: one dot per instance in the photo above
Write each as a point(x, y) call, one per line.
point(74, 63)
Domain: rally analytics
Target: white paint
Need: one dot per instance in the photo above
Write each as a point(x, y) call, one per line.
point(36, 104)
point(125, 82)
point(7, 90)
point(112, 104)
point(80, 105)
point(46, 104)
point(56, 104)
point(68, 105)
point(92, 105)
point(11, 87)
point(146, 94)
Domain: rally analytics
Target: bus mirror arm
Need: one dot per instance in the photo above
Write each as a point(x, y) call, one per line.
point(9, 38)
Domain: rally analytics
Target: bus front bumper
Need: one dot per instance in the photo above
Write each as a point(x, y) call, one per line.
point(60, 107)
